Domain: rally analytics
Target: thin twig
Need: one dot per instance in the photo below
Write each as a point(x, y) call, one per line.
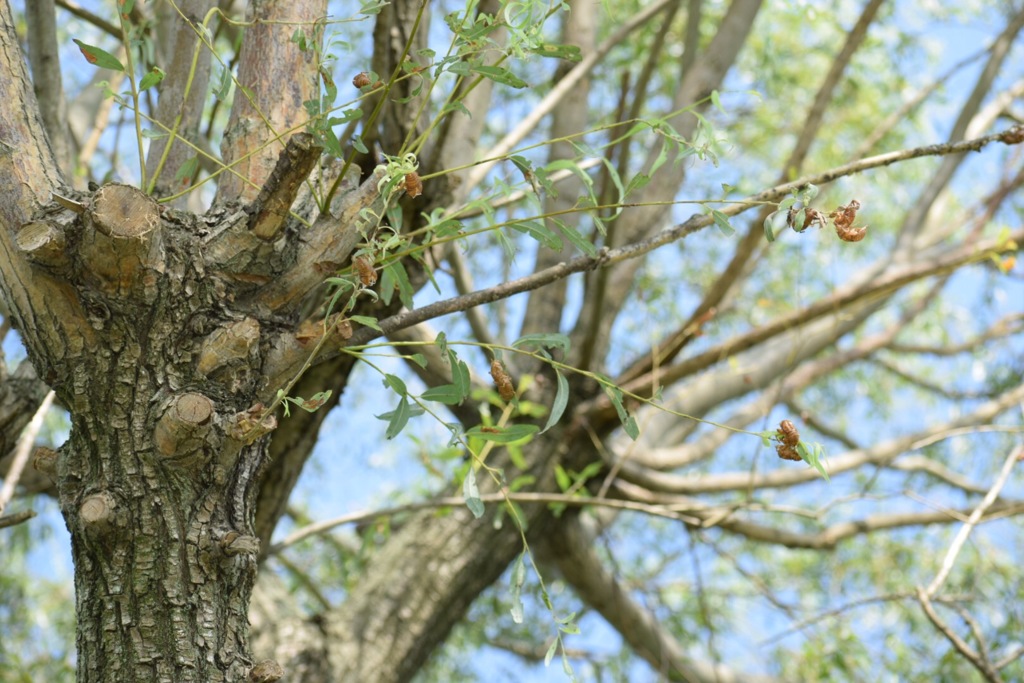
point(458, 501)
point(22, 451)
point(972, 521)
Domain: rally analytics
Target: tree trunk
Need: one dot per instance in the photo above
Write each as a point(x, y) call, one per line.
point(156, 482)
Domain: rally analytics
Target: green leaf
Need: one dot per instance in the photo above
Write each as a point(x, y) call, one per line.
point(366, 321)
point(562, 478)
point(507, 434)
point(448, 394)
point(187, 171)
point(540, 233)
point(575, 238)
point(553, 340)
point(570, 53)
point(550, 654)
point(499, 75)
point(396, 384)
point(460, 376)
point(419, 359)
point(812, 456)
point(394, 275)
point(722, 221)
point(627, 420)
point(518, 578)
point(472, 494)
point(313, 403)
point(561, 400)
point(399, 418)
point(299, 39)
point(155, 75)
point(125, 7)
point(98, 57)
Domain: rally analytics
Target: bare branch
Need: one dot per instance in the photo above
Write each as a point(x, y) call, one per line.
point(443, 502)
point(23, 450)
point(965, 531)
point(983, 666)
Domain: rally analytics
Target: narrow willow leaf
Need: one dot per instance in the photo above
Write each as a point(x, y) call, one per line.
point(399, 418)
point(561, 400)
point(395, 384)
point(722, 221)
point(472, 494)
point(448, 394)
point(500, 75)
point(627, 420)
point(366, 321)
point(575, 238)
point(187, 171)
point(550, 340)
point(550, 654)
point(569, 53)
point(540, 233)
point(460, 376)
point(518, 579)
point(502, 434)
point(98, 57)
point(769, 233)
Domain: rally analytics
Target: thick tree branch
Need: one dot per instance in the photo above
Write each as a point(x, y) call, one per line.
point(44, 56)
point(278, 78)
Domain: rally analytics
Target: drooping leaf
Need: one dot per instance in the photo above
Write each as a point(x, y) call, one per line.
point(472, 494)
point(517, 580)
point(627, 420)
point(399, 418)
point(560, 402)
